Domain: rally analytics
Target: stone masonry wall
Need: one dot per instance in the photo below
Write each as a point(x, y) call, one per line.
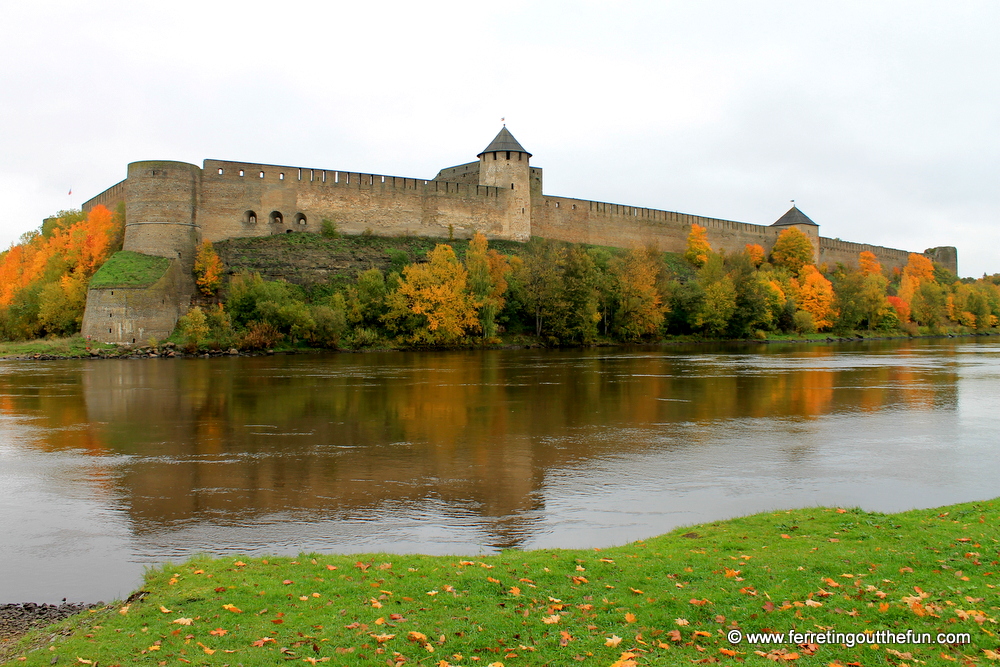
point(135, 314)
point(241, 199)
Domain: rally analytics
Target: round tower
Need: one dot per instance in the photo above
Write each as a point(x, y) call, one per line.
point(504, 165)
point(160, 201)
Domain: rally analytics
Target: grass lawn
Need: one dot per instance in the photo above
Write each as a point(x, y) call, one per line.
point(130, 269)
point(71, 346)
point(670, 600)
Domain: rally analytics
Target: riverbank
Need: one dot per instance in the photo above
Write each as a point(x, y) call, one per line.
point(691, 595)
point(77, 347)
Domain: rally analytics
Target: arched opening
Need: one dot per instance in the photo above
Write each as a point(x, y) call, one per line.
point(277, 218)
point(288, 231)
point(250, 218)
point(300, 218)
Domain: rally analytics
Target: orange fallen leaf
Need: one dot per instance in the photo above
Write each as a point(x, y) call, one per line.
point(550, 620)
point(630, 617)
point(613, 641)
point(681, 621)
point(233, 608)
point(218, 632)
point(264, 640)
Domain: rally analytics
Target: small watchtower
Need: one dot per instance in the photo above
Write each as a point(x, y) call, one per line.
point(504, 164)
point(796, 218)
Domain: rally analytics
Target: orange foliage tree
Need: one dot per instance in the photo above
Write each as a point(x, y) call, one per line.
point(207, 269)
point(43, 279)
point(756, 253)
point(816, 296)
point(920, 268)
point(698, 248)
point(868, 263)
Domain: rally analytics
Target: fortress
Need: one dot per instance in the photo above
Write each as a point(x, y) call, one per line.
point(171, 207)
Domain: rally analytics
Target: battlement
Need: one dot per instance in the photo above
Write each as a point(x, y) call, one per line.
point(110, 198)
point(270, 174)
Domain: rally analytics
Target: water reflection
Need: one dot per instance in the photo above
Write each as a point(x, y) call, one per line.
point(506, 448)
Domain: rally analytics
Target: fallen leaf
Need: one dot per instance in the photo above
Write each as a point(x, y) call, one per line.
point(681, 621)
point(165, 610)
point(218, 632)
point(630, 617)
point(381, 639)
point(183, 621)
point(613, 640)
point(550, 620)
point(233, 608)
point(264, 640)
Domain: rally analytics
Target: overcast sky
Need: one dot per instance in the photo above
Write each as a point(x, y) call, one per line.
point(880, 119)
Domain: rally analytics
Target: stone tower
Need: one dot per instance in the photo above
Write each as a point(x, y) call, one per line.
point(796, 218)
point(161, 199)
point(504, 164)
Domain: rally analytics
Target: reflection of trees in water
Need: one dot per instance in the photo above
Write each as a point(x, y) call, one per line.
point(233, 439)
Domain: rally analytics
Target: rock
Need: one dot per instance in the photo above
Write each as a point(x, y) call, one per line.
point(233, 351)
point(17, 619)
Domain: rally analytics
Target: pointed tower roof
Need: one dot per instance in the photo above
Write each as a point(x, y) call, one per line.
point(793, 217)
point(504, 141)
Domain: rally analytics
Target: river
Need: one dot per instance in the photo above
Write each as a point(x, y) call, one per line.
point(110, 466)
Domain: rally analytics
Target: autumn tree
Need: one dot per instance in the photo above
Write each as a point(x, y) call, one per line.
point(640, 307)
point(868, 264)
point(539, 278)
point(437, 293)
point(792, 250)
point(698, 249)
point(488, 272)
point(43, 278)
point(756, 253)
point(816, 296)
point(207, 269)
point(718, 298)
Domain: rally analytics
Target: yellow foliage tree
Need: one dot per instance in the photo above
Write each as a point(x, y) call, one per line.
point(437, 292)
point(868, 263)
point(207, 269)
point(816, 296)
point(698, 248)
point(640, 305)
point(793, 250)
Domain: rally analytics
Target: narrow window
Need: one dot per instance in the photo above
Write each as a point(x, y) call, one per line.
point(324, 176)
point(281, 176)
point(250, 218)
point(511, 186)
point(262, 174)
point(508, 155)
point(220, 171)
point(300, 174)
point(241, 172)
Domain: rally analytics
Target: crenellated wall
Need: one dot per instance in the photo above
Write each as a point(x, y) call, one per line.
point(244, 199)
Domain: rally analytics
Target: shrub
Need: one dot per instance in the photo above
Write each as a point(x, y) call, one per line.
point(260, 336)
point(803, 322)
point(328, 228)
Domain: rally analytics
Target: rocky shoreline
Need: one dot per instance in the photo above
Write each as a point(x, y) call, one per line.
point(16, 620)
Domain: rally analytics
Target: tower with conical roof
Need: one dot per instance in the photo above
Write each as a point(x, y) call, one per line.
point(504, 164)
point(800, 221)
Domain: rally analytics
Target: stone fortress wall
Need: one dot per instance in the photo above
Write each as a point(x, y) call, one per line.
point(171, 207)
